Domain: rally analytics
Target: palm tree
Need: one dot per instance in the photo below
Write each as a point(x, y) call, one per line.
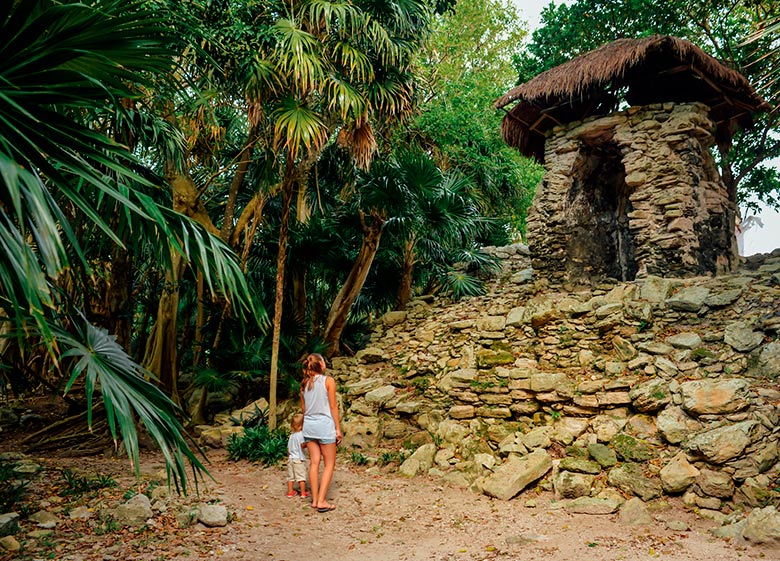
point(330, 69)
point(428, 216)
point(65, 68)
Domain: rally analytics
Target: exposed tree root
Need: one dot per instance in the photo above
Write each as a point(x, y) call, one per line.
point(72, 437)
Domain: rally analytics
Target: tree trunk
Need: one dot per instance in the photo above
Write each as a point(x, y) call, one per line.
point(281, 259)
point(245, 158)
point(339, 310)
point(161, 357)
point(298, 281)
point(405, 286)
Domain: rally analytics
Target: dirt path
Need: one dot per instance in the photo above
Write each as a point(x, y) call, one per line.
point(377, 518)
point(388, 517)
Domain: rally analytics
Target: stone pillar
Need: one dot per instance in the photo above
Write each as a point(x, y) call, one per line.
point(679, 220)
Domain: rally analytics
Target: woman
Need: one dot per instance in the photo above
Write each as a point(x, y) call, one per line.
point(321, 427)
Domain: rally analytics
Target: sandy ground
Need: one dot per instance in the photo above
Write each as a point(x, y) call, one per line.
point(388, 517)
point(377, 518)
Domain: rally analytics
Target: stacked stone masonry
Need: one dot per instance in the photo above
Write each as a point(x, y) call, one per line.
point(633, 194)
point(654, 387)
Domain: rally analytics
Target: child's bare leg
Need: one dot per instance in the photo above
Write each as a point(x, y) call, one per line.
point(303, 487)
point(290, 487)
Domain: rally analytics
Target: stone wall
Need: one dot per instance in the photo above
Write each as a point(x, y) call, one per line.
point(652, 387)
point(632, 194)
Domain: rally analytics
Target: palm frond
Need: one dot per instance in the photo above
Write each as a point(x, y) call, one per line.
point(298, 127)
point(108, 369)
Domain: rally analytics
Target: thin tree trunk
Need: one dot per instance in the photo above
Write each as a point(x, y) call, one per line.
point(235, 186)
point(161, 350)
point(200, 320)
point(298, 281)
point(339, 310)
point(405, 286)
point(281, 259)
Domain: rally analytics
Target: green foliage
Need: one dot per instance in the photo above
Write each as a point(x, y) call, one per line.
point(359, 459)
point(464, 74)
point(259, 444)
point(77, 484)
point(12, 489)
point(388, 458)
point(258, 418)
point(420, 384)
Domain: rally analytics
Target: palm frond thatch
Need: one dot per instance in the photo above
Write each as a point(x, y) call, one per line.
point(651, 69)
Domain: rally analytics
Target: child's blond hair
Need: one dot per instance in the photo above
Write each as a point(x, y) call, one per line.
point(296, 424)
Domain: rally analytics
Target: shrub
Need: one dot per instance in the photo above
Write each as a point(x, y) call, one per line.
point(259, 444)
point(12, 490)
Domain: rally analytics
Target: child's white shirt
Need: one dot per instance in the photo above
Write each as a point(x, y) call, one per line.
point(294, 446)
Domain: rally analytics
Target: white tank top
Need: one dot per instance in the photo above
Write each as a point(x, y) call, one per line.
point(318, 422)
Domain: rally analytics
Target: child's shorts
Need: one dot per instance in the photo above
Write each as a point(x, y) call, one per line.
point(296, 470)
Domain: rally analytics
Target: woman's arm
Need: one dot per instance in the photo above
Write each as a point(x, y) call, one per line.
point(303, 403)
point(330, 385)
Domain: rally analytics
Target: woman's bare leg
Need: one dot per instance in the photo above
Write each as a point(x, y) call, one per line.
point(329, 457)
point(314, 470)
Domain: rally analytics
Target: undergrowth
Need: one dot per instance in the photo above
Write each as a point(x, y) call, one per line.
point(259, 444)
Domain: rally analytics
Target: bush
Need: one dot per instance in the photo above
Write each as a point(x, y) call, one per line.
point(259, 444)
point(12, 490)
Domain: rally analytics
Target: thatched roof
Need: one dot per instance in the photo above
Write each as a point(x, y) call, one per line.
point(640, 71)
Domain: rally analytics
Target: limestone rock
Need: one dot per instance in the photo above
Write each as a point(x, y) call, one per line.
point(724, 443)
point(537, 438)
point(604, 455)
point(381, 395)
point(45, 519)
point(630, 479)
point(769, 361)
point(135, 512)
point(362, 387)
point(491, 323)
point(370, 355)
point(631, 449)
point(393, 318)
point(723, 299)
point(685, 340)
point(9, 523)
point(461, 412)
point(420, 461)
point(487, 358)
point(650, 396)
point(213, 516)
point(634, 513)
point(516, 474)
point(690, 299)
point(715, 484)
point(579, 465)
point(624, 349)
point(742, 337)
point(678, 474)
point(250, 411)
point(715, 397)
point(675, 426)
point(10, 544)
point(595, 505)
point(762, 526)
point(570, 485)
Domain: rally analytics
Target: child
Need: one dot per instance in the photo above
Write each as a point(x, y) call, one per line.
point(296, 461)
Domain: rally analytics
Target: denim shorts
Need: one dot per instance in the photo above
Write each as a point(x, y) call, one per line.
point(321, 440)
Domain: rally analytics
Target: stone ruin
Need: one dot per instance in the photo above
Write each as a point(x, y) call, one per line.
point(633, 192)
point(614, 397)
